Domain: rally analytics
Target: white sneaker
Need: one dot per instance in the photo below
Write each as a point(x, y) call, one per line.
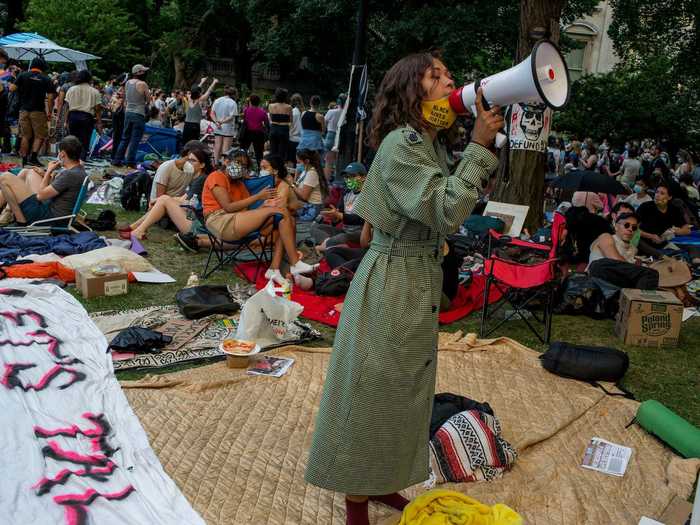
point(276, 276)
point(304, 283)
point(302, 267)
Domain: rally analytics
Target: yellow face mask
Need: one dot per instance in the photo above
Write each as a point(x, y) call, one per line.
point(438, 113)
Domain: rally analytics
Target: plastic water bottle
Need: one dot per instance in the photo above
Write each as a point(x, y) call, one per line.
point(192, 281)
point(194, 202)
point(144, 202)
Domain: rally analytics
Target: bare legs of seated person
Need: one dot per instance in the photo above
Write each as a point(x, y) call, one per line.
point(248, 221)
point(166, 206)
point(14, 189)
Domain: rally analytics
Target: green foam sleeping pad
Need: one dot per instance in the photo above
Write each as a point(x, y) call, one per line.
point(670, 428)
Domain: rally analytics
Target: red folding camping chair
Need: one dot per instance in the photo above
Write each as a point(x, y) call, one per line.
point(523, 285)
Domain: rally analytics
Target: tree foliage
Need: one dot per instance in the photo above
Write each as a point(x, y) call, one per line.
point(94, 26)
point(653, 92)
point(633, 101)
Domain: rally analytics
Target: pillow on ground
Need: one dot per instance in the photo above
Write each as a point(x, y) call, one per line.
point(128, 260)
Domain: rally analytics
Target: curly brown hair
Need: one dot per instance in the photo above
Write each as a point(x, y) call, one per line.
point(398, 101)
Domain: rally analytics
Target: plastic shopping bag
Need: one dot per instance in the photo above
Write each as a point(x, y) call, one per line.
point(269, 319)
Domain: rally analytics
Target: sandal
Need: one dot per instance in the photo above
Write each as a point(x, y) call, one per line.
point(125, 233)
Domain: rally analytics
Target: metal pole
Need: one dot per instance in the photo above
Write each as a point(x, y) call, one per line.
point(348, 133)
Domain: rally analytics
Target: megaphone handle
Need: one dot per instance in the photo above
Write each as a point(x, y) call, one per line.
point(500, 140)
point(484, 102)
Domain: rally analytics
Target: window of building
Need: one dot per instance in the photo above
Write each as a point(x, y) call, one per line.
point(574, 62)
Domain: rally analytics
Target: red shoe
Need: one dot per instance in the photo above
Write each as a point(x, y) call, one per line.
point(124, 233)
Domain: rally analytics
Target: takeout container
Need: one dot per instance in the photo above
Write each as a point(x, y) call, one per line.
point(235, 359)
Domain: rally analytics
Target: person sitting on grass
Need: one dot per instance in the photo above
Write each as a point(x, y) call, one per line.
point(612, 257)
point(348, 235)
point(175, 207)
point(661, 220)
point(174, 178)
point(226, 201)
point(310, 186)
point(40, 194)
point(639, 193)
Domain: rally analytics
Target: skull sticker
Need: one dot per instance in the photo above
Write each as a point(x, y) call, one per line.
point(532, 120)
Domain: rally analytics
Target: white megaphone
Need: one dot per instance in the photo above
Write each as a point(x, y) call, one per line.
point(540, 78)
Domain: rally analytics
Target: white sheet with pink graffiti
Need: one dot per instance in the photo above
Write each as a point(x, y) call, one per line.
point(71, 449)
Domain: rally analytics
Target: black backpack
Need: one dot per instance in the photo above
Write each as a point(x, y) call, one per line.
point(335, 282)
point(136, 184)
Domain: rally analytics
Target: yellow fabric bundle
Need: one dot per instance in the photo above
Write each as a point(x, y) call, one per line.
point(447, 507)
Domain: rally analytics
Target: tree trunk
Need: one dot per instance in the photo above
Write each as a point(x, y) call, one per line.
point(521, 180)
point(180, 72)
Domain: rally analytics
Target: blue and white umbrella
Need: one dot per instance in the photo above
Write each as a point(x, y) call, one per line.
point(26, 46)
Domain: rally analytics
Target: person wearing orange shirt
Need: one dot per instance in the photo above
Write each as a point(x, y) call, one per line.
point(226, 200)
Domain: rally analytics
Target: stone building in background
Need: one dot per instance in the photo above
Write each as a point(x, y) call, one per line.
point(597, 54)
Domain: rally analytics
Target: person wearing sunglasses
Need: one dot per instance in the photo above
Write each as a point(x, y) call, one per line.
point(613, 257)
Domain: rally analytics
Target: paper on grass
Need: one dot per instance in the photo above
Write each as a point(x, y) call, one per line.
point(606, 457)
point(155, 276)
point(271, 366)
point(689, 312)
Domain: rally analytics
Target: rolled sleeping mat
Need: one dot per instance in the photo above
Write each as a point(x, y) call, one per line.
point(670, 428)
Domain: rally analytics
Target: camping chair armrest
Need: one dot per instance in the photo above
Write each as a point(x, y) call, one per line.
point(52, 219)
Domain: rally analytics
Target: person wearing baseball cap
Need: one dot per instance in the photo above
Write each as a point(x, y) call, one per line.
point(139, 69)
point(136, 95)
point(328, 234)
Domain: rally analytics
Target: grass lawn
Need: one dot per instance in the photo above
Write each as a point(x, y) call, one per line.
point(671, 376)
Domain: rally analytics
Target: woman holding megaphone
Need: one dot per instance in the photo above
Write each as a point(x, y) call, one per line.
point(372, 429)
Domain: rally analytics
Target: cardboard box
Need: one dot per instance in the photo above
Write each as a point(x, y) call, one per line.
point(677, 512)
point(649, 318)
point(90, 285)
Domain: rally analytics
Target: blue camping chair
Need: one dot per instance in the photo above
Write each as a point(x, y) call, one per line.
point(57, 225)
point(160, 142)
point(222, 253)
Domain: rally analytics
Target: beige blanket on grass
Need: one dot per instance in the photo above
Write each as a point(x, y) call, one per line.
point(237, 445)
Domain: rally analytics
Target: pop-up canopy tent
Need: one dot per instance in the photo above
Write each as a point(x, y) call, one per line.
point(26, 46)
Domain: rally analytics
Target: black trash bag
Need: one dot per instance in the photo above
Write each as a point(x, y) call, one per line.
point(139, 341)
point(585, 295)
point(446, 405)
point(199, 301)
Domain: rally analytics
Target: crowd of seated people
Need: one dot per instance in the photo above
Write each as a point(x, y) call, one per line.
point(614, 235)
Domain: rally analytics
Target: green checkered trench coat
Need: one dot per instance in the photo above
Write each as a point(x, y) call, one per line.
point(372, 428)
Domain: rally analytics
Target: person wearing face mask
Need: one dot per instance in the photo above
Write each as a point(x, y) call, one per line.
point(274, 166)
point(639, 193)
point(46, 194)
point(343, 226)
point(373, 423)
point(166, 206)
point(612, 257)
point(310, 185)
point(226, 201)
point(174, 176)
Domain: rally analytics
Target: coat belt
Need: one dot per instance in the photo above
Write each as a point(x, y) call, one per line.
point(388, 245)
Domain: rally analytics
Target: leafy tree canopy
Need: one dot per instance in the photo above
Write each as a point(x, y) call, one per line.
point(95, 26)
